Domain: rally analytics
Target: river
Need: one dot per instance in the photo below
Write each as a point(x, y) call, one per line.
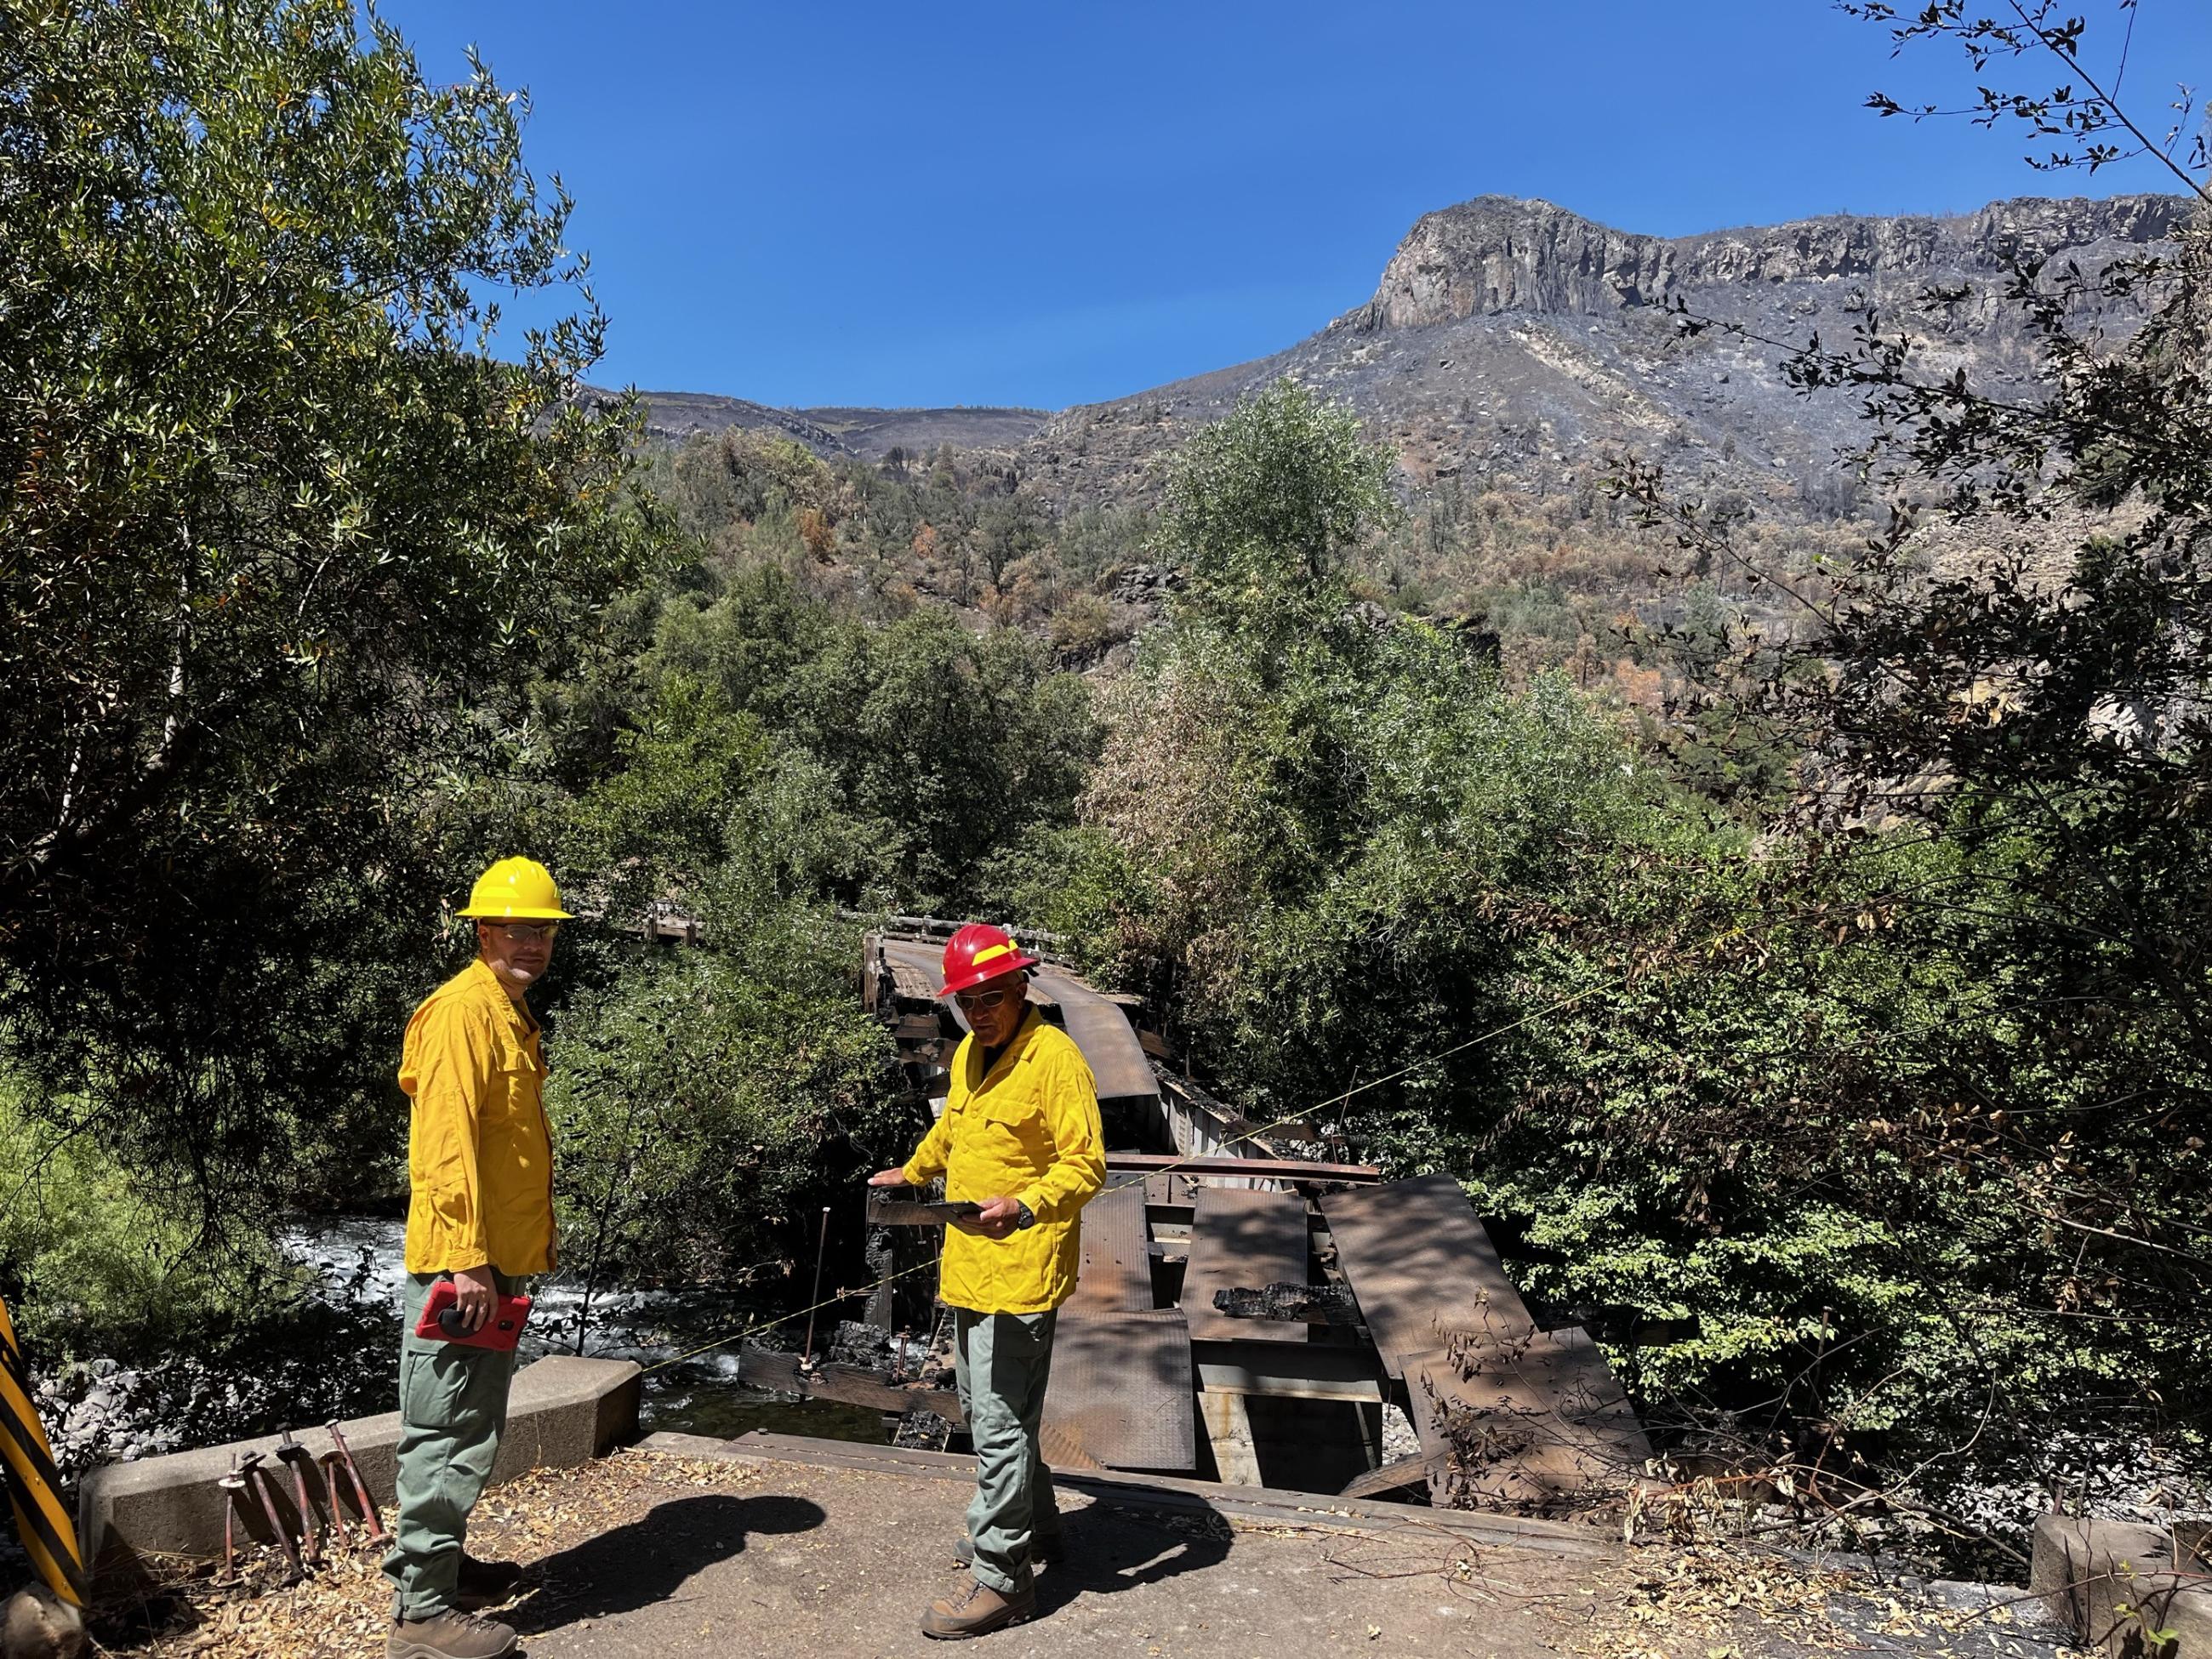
point(691, 1393)
point(331, 1350)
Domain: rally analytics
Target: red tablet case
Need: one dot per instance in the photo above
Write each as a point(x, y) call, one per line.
point(501, 1331)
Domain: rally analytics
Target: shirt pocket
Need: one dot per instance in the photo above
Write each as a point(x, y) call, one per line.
point(1012, 1124)
point(516, 1084)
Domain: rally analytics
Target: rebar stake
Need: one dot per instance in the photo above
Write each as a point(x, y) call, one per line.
point(341, 1451)
point(263, 1485)
point(821, 1249)
point(233, 1493)
point(297, 1457)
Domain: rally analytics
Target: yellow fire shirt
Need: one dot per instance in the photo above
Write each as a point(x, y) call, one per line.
point(479, 1153)
point(1028, 1129)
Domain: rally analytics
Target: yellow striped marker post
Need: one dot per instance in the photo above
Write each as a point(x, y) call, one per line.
point(34, 1482)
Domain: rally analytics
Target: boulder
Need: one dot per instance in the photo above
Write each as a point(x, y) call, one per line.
point(2115, 1585)
point(36, 1624)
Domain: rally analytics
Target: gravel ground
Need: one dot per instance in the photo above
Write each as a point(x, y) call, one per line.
point(646, 1554)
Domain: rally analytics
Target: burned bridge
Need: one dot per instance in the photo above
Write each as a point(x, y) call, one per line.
point(1242, 1314)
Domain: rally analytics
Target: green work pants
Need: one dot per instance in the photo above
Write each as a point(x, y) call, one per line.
point(453, 1408)
point(1003, 1363)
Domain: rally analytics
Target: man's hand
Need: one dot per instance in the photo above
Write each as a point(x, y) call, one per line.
point(995, 1220)
point(475, 1293)
point(889, 1178)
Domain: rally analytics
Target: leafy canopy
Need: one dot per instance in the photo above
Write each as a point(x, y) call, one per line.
point(275, 524)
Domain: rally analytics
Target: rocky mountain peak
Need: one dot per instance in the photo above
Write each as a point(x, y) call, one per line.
point(1499, 253)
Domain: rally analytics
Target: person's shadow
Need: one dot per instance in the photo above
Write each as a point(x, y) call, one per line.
point(1111, 1549)
point(648, 1561)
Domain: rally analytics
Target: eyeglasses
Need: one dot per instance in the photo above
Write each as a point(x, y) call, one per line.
point(527, 932)
point(975, 1002)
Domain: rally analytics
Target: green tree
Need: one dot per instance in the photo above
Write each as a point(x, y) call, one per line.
point(1998, 713)
point(708, 1096)
point(1312, 801)
point(2016, 672)
point(1265, 507)
point(1709, 1087)
point(280, 540)
point(940, 747)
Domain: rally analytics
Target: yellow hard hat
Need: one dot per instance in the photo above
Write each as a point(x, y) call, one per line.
point(519, 890)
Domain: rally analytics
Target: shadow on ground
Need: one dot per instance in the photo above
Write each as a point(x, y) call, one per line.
point(1111, 1549)
point(648, 1560)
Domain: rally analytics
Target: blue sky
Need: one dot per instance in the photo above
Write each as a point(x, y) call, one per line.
point(1050, 203)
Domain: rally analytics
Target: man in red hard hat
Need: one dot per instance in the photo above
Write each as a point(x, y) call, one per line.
point(1020, 1137)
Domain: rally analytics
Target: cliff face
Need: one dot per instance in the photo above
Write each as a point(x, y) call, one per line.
point(1511, 344)
point(1496, 254)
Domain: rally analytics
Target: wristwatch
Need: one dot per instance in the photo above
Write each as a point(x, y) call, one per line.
point(1024, 1216)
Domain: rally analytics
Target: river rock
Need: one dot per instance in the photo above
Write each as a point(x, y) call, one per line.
point(36, 1624)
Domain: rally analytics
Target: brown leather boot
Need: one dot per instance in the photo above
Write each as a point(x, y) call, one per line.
point(449, 1635)
point(977, 1611)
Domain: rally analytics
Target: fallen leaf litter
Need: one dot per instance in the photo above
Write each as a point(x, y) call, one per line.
point(343, 1611)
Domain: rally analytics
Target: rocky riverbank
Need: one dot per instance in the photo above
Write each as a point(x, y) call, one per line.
point(333, 1351)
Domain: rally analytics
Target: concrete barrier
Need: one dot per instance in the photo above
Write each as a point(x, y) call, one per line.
point(2123, 1588)
point(562, 1411)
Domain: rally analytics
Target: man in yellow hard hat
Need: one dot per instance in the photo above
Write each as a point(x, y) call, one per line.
point(480, 1213)
point(1020, 1139)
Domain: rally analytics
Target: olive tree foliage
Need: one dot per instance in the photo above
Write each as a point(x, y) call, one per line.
point(2014, 675)
point(279, 539)
point(1264, 508)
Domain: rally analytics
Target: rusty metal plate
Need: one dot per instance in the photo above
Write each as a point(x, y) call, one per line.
point(1119, 1065)
point(1121, 1389)
point(1532, 1423)
point(1420, 1265)
point(1244, 1240)
point(1164, 1186)
point(1116, 1271)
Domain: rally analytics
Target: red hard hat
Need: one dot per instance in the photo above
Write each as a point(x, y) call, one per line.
point(977, 952)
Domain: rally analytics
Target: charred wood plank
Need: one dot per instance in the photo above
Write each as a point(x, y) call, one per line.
point(1294, 1304)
